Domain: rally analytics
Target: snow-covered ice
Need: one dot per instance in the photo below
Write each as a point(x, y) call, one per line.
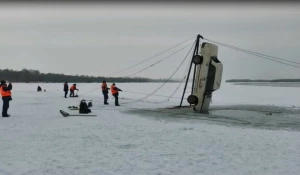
point(37, 139)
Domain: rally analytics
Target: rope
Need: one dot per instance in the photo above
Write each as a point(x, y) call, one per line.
point(168, 97)
point(36, 91)
point(158, 61)
point(149, 67)
point(149, 94)
point(182, 80)
point(89, 91)
point(256, 54)
point(165, 81)
point(152, 56)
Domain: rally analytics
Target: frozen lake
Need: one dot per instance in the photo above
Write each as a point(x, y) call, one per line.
point(251, 130)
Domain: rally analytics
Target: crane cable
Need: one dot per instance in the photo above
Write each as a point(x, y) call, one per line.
point(159, 61)
point(154, 63)
point(166, 80)
point(170, 96)
point(176, 89)
point(151, 57)
point(272, 58)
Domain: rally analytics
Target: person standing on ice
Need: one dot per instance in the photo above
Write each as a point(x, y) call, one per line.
point(66, 89)
point(115, 93)
point(6, 96)
point(72, 89)
point(105, 92)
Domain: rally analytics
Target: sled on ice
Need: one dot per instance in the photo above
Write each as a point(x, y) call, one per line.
point(65, 114)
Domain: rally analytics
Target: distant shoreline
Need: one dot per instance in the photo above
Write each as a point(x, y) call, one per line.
point(263, 81)
point(270, 84)
point(96, 82)
point(35, 76)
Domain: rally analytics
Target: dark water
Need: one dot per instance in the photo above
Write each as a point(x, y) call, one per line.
point(249, 116)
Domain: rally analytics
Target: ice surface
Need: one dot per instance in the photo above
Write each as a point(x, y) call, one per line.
point(37, 139)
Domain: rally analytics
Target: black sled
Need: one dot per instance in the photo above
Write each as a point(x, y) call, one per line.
point(65, 114)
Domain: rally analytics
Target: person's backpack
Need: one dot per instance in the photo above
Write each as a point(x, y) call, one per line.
point(90, 104)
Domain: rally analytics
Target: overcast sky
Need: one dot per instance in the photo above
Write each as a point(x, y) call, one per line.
point(99, 39)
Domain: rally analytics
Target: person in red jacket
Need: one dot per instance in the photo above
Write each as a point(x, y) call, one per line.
point(72, 89)
point(115, 93)
point(6, 96)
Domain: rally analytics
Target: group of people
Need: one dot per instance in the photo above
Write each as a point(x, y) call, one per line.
point(114, 91)
point(72, 89)
point(6, 87)
point(83, 107)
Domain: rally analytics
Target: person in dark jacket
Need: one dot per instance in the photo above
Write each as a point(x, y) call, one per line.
point(115, 93)
point(66, 89)
point(6, 96)
point(84, 108)
point(39, 88)
point(105, 92)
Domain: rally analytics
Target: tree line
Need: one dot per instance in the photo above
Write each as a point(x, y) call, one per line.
point(29, 76)
point(260, 80)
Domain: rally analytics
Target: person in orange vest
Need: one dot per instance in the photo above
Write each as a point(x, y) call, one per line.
point(72, 89)
point(105, 92)
point(115, 93)
point(6, 96)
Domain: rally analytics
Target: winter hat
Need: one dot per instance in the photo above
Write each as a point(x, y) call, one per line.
point(3, 81)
